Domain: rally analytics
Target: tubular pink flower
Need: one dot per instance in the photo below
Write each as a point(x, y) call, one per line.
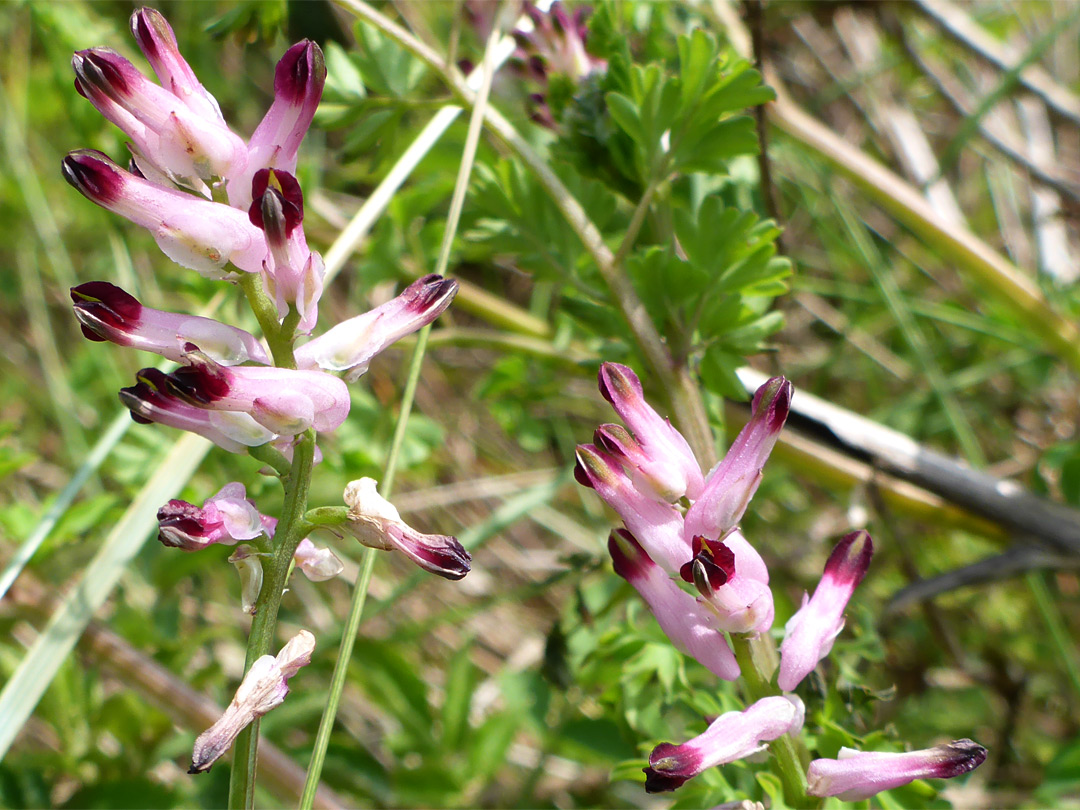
point(666, 467)
point(810, 633)
point(351, 345)
point(226, 517)
point(318, 564)
point(149, 402)
point(184, 143)
point(857, 775)
point(732, 736)
point(264, 687)
point(198, 234)
point(106, 312)
point(157, 41)
point(375, 522)
point(292, 274)
point(656, 525)
point(691, 629)
point(283, 400)
point(298, 86)
point(741, 602)
point(732, 483)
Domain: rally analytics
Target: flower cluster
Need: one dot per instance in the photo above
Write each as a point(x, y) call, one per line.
point(233, 210)
point(682, 526)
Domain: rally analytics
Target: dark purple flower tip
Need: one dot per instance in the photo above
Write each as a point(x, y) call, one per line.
point(559, 17)
point(148, 26)
point(104, 310)
point(628, 558)
point(958, 757)
point(594, 465)
point(300, 73)
point(534, 13)
point(201, 382)
point(775, 397)
point(94, 175)
point(712, 566)
point(430, 292)
point(618, 381)
point(277, 201)
point(850, 559)
point(452, 562)
point(101, 69)
point(669, 767)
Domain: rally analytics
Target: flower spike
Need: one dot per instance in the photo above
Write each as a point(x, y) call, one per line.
point(857, 775)
point(264, 687)
point(351, 345)
point(810, 633)
point(732, 483)
point(106, 312)
point(692, 629)
point(732, 736)
point(376, 523)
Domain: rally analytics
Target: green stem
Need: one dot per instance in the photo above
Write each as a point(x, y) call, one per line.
point(277, 335)
point(276, 572)
point(757, 662)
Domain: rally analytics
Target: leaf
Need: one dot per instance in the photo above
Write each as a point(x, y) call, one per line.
point(461, 677)
point(626, 115)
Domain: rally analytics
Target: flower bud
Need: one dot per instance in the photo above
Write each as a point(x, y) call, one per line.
point(106, 312)
point(691, 628)
point(810, 633)
point(226, 517)
point(732, 483)
point(667, 466)
point(351, 345)
point(857, 775)
point(657, 525)
point(375, 522)
point(732, 736)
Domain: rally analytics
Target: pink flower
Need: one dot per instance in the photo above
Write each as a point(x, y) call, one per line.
point(195, 233)
point(662, 463)
point(657, 525)
point(732, 483)
point(149, 401)
point(227, 518)
point(732, 736)
point(106, 312)
point(810, 633)
point(733, 582)
point(264, 688)
point(182, 136)
point(351, 345)
point(375, 522)
point(292, 274)
point(298, 86)
point(692, 629)
point(282, 400)
point(858, 775)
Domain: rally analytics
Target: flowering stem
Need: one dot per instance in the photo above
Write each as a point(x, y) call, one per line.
point(276, 572)
point(757, 663)
point(279, 337)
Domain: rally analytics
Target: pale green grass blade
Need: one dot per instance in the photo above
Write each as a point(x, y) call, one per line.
point(64, 500)
point(23, 691)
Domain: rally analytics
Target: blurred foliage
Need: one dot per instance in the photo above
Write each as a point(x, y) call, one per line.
point(540, 680)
